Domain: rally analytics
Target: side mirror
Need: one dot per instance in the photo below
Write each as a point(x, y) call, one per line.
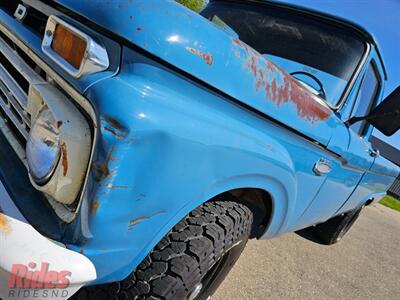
point(386, 116)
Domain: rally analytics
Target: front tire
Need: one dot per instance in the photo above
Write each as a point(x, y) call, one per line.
point(191, 261)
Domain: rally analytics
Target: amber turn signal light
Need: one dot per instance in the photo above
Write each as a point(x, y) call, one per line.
point(69, 46)
point(73, 49)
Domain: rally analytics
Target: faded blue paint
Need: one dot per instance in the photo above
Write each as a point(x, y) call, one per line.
point(168, 144)
point(186, 40)
point(184, 145)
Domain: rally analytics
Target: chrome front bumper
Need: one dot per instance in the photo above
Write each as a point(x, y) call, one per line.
point(56, 272)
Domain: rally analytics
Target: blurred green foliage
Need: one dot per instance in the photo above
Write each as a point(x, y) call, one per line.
point(391, 202)
point(195, 5)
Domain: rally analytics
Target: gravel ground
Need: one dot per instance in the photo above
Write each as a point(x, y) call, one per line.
point(364, 265)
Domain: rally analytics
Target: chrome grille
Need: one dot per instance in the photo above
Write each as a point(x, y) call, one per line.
point(16, 75)
point(14, 109)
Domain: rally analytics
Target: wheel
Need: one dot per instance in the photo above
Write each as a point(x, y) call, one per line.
point(191, 261)
point(333, 230)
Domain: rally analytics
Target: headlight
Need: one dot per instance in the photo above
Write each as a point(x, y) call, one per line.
point(59, 144)
point(43, 147)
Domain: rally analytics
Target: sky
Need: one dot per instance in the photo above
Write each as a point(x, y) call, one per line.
point(382, 19)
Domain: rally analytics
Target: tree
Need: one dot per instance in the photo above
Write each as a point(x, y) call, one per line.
point(195, 5)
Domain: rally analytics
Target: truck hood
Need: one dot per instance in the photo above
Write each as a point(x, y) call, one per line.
point(194, 45)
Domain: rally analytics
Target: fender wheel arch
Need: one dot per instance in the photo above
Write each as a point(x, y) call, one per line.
point(200, 250)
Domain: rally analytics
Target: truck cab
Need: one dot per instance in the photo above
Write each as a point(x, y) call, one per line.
point(143, 144)
point(341, 64)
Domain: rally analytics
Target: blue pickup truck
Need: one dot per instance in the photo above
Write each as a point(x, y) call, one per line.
point(143, 144)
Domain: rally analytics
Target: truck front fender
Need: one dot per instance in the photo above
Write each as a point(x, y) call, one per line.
point(166, 146)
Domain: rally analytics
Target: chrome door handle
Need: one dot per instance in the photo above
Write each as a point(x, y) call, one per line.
point(322, 167)
point(373, 152)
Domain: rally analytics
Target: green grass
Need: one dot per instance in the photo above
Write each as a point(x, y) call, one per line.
point(391, 202)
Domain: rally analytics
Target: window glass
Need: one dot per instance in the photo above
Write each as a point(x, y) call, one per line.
point(295, 42)
point(365, 98)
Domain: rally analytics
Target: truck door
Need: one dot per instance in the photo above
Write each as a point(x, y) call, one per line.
point(382, 173)
point(355, 155)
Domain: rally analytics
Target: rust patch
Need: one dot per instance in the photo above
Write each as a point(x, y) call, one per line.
point(64, 159)
point(114, 127)
point(59, 124)
point(207, 57)
point(81, 251)
point(102, 169)
point(280, 87)
point(4, 224)
point(95, 206)
point(307, 104)
point(114, 133)
point(114, 123)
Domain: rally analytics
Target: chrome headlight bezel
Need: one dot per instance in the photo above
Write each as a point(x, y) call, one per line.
point(65, 181)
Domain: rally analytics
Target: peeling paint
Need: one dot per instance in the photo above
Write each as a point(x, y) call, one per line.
point(208, 58)
point(132, 223)
point(280, 87)
point(4, 224)
point(64, 159)
point(137, 221)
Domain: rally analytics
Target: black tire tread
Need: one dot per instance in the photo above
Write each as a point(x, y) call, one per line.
point(183, 256)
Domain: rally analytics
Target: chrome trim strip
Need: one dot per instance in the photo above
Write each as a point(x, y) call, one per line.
point(15, 103)
point(13, 142)
point(39, 6)
point(353, 79)
point(19, 64)
point(14, 120)
point(21, 126)
point(12, 86)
